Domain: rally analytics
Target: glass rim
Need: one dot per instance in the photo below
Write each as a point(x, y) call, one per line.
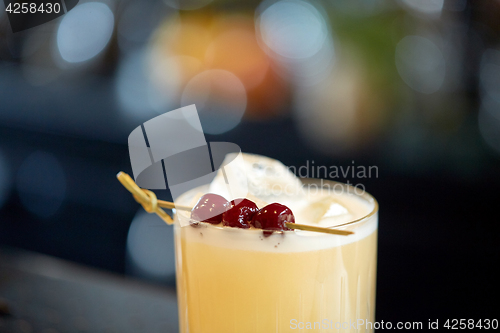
point(364, 195)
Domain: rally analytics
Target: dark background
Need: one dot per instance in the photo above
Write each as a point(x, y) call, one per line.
point(436, 145)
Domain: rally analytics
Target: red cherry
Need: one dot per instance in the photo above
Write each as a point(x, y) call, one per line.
point(239, 214)
point(209, 208)
point(273, 217)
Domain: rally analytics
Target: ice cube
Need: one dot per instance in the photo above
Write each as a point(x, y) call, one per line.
point(261, 177)
point(335, 209)
point(324, 211)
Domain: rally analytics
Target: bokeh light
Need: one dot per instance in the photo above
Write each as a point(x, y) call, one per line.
point(489, 113)
point(292, 29)
point(138, 96)
point(317, 68)
point(420, 63)
point(296, 34)
point(220, 98)
point(150, 249)
point(341, 113)
point(426, 7)
point(237, 51)
point(489, 75)
point(41, 184)
point(182, 42)
point(195, 45)
point(489, 123)
point(85, 31)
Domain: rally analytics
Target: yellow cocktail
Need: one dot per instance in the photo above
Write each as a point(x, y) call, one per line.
point(237, 280)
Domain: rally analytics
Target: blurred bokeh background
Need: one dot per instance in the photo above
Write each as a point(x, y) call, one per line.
point(409, 86)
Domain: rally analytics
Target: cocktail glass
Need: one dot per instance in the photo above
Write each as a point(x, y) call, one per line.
point(237, 280)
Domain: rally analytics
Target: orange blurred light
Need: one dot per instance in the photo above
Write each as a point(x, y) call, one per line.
point(195, 43)
point(235, 49)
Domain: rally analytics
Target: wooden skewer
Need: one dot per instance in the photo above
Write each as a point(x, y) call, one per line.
point(146, 198)
point(319, 229)
point(171, 205)
point(151, 204)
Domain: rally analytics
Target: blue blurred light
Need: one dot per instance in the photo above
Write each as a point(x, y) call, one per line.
point(489, 113)
point(489, 122)
point(293, 29)
point(85, 31)
point(425, 7)
point(420, 63)
point(150, 247)
point(138, 96)
point(297, 35)
point(489, 75)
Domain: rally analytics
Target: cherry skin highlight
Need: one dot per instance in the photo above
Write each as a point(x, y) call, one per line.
point(273, 218)
point(239, 213)
point(209, 209)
